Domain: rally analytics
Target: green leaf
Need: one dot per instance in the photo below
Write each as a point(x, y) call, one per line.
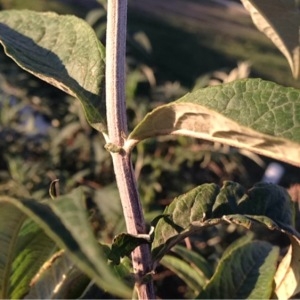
point(257, 115)
point(34, 247)
point(185, 271)
point(280, 22)
point(246, 273)
point(268, 200)
point(176, 221)
point(72, 212)
point(124, 268)
point(11, 221)
point(250, 221)
point(58, 279)
point(65, 220)
point(263, 205)
point(198, 262)
point(207, 205)
point(61, 50)
point(287, 277)
point(242, 241)
point(123, 245)
point(24, 249)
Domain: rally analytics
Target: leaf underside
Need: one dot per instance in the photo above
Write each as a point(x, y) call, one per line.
point(287, 277)
point(254, 114)
point(280, 22)
point(58, 279)
point(61, 50)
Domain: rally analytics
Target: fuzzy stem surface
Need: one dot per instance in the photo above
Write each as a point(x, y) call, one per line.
point(117, 133)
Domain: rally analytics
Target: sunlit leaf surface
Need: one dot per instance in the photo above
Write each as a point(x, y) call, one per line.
point(280, 21)
point(61, 50)
point(247, 273)
point(254, 114)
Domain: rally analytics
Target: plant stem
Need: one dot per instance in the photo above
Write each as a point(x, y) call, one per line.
point(117, 132)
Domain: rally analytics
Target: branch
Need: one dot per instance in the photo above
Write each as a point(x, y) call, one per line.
point(117, 132)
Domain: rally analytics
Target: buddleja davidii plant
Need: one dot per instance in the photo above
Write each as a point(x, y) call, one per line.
point(253, 114)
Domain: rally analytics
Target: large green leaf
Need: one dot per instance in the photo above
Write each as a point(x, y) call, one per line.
point(245, 272)
point(208, 204)
point(62, 50)
point(24, 249)
point(34, 247)
point(280, 21)
point(254, 114)
point(11, 221)
point(265, 205)
point(72, 212)
point(58, 279)
point(65, 220)
point(287, 277)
